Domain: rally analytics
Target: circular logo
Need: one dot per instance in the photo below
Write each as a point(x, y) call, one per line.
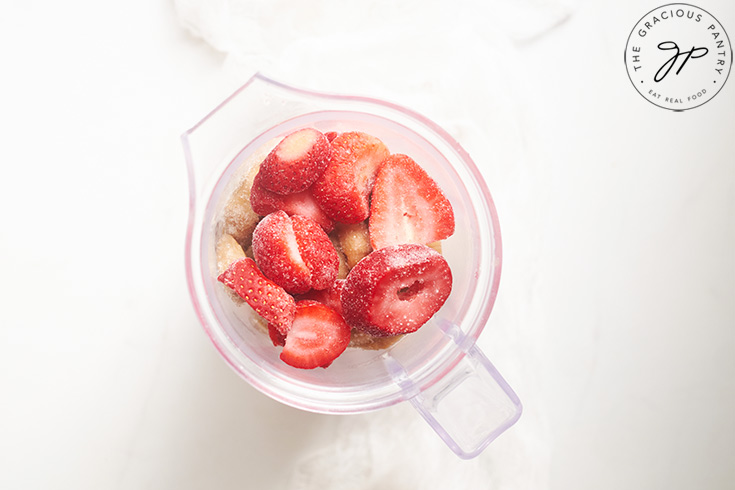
point(678, 56)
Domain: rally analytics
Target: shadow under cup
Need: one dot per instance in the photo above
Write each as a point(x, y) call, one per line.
point(424, 367)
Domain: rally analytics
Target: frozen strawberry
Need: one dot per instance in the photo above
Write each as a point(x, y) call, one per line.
point(343, 190)
point(359, 339)
point(295, 253)
point(317, 336)
point(265, 202)
point(277, 254)
point(268, 300)
point(276, 336)
point(328, 297)
point(395, 289)
point(317, 251)
point(228, 251)
point(407, 206)
point(331, 135)
point(296, 162)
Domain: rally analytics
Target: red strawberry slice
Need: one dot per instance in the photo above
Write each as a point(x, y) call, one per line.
point(277, 254)
point(407, 206)
point(269, 300)
point(328, 297)
point(317, 336)
point(265, 202)
point(343, 190)
point(396, 289)
point(317, 251)
point(296, 162)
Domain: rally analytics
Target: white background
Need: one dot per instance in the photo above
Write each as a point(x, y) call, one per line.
point(615, 321)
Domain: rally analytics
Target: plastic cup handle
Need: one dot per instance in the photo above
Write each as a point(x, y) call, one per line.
point(470, 406)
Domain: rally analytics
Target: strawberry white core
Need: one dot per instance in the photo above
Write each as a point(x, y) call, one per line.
point(297, 145)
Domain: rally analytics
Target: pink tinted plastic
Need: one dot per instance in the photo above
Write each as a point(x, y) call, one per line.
point(439, 369)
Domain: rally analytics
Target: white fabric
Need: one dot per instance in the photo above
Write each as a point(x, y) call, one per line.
point(452, 61)
point(614, 321)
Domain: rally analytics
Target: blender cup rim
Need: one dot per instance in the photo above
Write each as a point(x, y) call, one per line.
point(272, 387)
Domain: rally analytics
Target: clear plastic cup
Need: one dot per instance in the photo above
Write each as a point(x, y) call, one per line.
point(438, 369)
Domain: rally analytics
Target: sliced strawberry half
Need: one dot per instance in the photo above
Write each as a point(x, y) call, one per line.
point(295, 252)
point(317, 251)
point(296, 162)
point(317, 336)
point(277, 254)
point(407, 206)
point(265, 202)
point(396, 289)
point(269, 300)
point(343, 190)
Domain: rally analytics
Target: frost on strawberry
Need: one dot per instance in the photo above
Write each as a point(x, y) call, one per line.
point(317, 251)
point(295, 253)
point(277, 253)
point(343, 190)
point(396, 289)
point(296, 162)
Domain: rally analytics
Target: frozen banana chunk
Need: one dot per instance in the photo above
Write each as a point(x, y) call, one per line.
point(363, 340)
point(238, 217)
point(354, 240)
point(228, 251)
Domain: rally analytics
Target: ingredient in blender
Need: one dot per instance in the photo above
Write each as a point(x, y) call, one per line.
point(317, 337)
point(423, 215)
point(346, 245)
point(396, 289)
point(268, 299)
point(343, 190)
